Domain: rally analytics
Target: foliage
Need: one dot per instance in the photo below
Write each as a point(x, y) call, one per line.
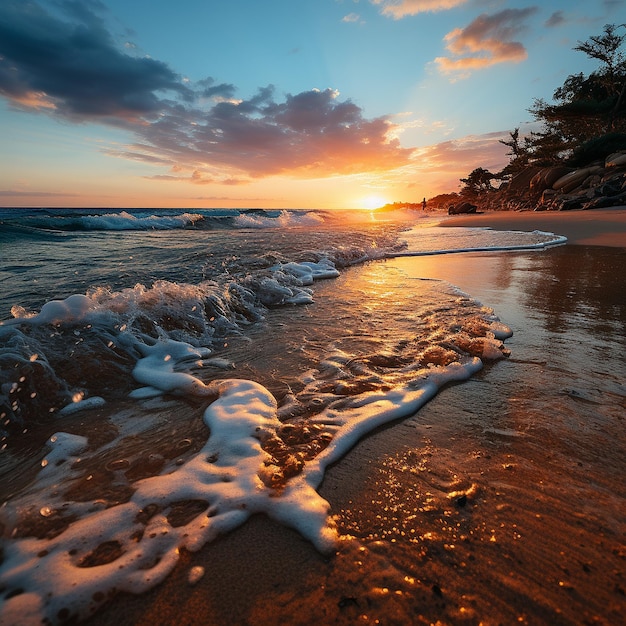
point(443, 200)
point(586, 121)
point(520, 153)
point(477, 183)
point(585, 107)
point(598, 149)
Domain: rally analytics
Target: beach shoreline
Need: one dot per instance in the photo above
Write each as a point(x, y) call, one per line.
point(510, 482)
point(595, 227)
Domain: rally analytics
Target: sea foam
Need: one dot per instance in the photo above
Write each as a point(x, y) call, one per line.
point(167, 333)
point(68, 574)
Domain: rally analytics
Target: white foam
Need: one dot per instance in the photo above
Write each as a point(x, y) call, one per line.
point(308, 271)
point(157, 369)
point(72, 309)
point(228, 474)
point(285, 219)
point(82, 405)
point(62, 447)
point(127, 221)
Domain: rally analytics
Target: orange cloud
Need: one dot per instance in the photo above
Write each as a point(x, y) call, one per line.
point(438, 168)
point(401, 8)
point(199, 126)
point(308, 134)
point(33, 100)
point(487, 41)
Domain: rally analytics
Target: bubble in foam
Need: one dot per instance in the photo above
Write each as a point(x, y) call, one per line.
point(195, 574)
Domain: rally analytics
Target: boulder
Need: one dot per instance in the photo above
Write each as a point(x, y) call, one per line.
point(546, 177)
point(570, 181)
point(463, 207)
point(616, 159)
point(521, 181)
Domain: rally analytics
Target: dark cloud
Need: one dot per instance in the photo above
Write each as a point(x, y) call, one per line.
point(75, 67)
point(556, 19)
point(69, 65)
point(311, 134)
point(208, 89)
point(613, 5)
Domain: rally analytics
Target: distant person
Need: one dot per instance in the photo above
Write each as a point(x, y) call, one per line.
point(424, 204)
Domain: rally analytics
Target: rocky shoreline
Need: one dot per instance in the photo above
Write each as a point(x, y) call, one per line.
point(601, 184)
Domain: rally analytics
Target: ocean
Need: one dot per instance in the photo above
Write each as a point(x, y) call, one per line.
point(167, 374)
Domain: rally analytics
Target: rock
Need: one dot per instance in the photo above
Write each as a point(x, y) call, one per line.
point(571, 204)
point(546, 177)
point(602, 202)
point(464, 207)
point(591, 182)
point(610, 188)
point(570, 181)
point(615, 160)
point(521, 181)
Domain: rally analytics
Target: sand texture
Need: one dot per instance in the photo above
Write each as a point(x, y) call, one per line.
point(501, 501)
point(602, 227)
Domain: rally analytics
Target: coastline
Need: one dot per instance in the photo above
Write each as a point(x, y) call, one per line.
point(594, 227)
point(511, 481)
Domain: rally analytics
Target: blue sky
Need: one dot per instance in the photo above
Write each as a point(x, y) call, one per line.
point(273, 103)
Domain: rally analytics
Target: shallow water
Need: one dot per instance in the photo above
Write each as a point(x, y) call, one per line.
point(225, 333)
point(500, 501)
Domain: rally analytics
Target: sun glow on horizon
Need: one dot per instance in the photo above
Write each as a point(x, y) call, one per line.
point(373, 201)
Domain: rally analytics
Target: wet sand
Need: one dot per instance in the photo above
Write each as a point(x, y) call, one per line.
point(499, 502)
point(603, 227)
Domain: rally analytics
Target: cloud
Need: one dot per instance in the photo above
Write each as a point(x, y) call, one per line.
point(69, 66)
point(465, 154)
point(452, 160)
point(612, 5)
point(487, 41)
point(351, 17)
point(209, 89)
point(308, 134)
point(402, 8)
point(75, 66)
point(556, 19)
point(35, 194)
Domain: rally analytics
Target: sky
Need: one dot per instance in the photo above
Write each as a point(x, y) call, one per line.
point(332, 104)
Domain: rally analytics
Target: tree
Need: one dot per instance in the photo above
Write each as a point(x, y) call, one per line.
point(606, 48)
point(520, 154)
point(478, 182)
point(585, 107)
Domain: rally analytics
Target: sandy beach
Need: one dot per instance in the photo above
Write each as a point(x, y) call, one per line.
point(604, 227)
point(501, 501)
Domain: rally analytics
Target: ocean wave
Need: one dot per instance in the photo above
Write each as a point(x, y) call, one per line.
point(103, 331)
point(441, 240)
point(115, 221)
point(263, 455)
point(31, 223)
point(282, 219)
point(127, 221)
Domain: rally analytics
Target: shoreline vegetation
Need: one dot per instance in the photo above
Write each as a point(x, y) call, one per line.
point(577, 158)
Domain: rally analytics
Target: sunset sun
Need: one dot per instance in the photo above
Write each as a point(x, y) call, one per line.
point(373, 201)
